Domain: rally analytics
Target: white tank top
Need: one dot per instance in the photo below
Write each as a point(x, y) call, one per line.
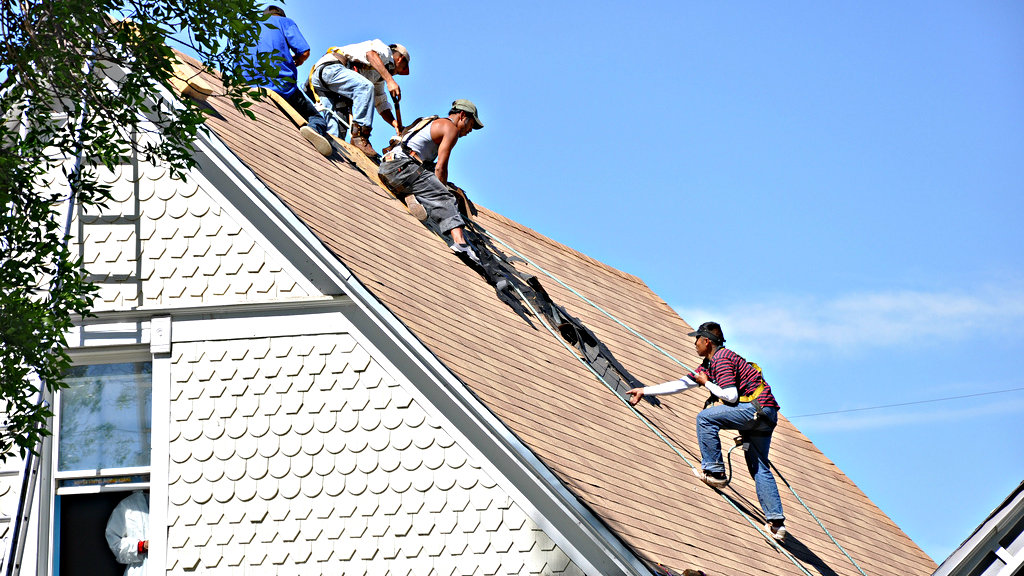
point(423, 145)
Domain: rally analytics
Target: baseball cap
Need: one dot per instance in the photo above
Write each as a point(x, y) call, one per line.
point(705, 330)
point(401, 50)
point(467, 106)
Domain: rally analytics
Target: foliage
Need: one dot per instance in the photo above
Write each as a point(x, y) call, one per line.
point(78, 80)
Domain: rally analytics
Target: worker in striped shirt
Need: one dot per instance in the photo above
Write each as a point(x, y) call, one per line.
point(740, 400)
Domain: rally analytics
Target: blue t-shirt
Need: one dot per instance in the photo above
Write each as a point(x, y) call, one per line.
point(285, 39)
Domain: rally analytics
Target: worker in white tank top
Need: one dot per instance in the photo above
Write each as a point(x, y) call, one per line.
point(418, 166)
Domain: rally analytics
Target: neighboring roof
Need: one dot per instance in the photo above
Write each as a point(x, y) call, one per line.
point(1002, 529)
point(630, 479)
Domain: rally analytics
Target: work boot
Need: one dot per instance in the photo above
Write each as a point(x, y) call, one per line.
point(713, 479)
point(361, 139)
point(777, 531)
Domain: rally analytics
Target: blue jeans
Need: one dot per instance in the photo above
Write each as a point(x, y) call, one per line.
point(307, 110)
point(758, 432)
point(350, 84)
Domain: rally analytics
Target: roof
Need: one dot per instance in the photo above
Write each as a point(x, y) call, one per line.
point(584, 434)
point(1001, 529)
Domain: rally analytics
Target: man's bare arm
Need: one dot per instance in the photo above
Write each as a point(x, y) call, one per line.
point(377, 64)
point(449, 134)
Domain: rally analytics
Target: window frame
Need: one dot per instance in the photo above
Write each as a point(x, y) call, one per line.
point(88, 357)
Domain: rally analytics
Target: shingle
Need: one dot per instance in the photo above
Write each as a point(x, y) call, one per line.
point(587, 437)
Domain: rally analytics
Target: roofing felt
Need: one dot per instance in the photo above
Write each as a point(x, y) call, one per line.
point(615, 465)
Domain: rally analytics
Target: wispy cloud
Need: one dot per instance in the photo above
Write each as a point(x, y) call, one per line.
point(854, 323)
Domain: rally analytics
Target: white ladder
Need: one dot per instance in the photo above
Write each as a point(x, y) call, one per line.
point(14, 528)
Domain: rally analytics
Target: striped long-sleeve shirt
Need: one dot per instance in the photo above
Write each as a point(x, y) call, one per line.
point(728, 368)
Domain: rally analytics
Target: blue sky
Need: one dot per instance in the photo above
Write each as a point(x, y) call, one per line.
point(839, 184)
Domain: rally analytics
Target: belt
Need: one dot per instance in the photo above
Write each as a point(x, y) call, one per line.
point(411, 155)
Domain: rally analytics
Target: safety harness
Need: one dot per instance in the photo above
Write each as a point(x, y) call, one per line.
point(752, 397)
point(407, 134)
point(343, 59)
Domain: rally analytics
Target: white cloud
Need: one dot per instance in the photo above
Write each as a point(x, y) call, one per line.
point(854, 323)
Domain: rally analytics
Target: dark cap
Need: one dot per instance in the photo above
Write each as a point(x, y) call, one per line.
point(712, 331)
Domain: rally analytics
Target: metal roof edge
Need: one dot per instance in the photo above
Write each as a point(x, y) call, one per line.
point(1004, 517)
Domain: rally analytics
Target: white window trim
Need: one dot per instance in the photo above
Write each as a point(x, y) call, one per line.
point(50, 476)
point(102, 472)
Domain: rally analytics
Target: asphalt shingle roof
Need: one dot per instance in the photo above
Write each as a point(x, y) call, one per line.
point(603, 453)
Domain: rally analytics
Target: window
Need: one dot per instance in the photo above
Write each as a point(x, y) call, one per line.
point(103, 450)
point(106, 417)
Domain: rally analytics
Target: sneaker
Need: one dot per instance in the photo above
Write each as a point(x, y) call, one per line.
point(415, 208)
point(466, 249)
point(322, 145)
point(777, 532)
point(711, 479)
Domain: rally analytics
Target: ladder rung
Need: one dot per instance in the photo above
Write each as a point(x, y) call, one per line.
point(110, 219)
point(110, 278)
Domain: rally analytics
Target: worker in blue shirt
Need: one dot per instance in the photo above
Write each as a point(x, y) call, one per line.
point(280, 36)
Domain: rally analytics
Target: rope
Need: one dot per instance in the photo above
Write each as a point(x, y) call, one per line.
point(825, 530)
point(582, 297)
point(654, 429)
point(642, 417)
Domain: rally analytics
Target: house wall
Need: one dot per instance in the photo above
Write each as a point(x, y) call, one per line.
point(301, 454)
point(288, 443)
point(162, 242)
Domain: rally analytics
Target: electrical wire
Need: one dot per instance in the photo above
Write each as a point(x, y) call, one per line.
point(905, 403)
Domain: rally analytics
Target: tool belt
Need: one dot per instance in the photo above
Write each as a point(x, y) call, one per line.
point(410, 155)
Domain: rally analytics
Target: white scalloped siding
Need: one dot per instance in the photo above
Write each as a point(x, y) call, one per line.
point(173, 242)
point(298, 455)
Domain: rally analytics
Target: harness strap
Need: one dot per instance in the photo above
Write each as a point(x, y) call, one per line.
point(319, 71)
point(753, 395)
point(410, 131)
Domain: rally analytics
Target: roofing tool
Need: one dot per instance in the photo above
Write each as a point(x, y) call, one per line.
point(398, 116)
point(337, 117)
